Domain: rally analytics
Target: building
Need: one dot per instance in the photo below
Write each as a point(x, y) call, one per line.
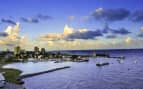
point(17, 51)
point(36, 52)
point(43, 52)
point(36, 49)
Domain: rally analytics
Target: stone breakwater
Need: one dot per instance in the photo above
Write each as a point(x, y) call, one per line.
point(34, 74)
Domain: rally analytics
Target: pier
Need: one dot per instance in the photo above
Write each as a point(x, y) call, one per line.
point(34, 74)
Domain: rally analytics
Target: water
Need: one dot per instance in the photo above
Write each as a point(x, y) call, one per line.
point(34, 67)
point(127, 75)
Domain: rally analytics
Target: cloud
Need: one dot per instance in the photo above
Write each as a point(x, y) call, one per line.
point(29, 20)
point(106, 29)
point(68, 30)
point(115, 31)
point(36, 19)
point(71, 18)
point(121, 31)
point(70, 39)
point(141, 33)
point(12, 38)
point(85, 35)
point(80, 33)
point(111, 36)
point(10, 44)
point(9, 21)
point(110, 14)
point(71, 34)
point(142, 29)
point(43, 17)
point(128, 40)
point(51, 37)
point(78, 44)
point(3, 34)
point(137, 16)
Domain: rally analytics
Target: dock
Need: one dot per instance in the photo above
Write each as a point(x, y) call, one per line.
point(39, 73)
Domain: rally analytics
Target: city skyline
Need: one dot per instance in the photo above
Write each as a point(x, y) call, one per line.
point(71, 24)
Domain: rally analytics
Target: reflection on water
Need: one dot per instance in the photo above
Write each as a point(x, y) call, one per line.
point(127, 75)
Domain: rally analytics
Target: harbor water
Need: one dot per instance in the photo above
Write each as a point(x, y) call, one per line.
point(127, 74)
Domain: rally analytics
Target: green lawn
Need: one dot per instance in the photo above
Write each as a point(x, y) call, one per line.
point(11, 74)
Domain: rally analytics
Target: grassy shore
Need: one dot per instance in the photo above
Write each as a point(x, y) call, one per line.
point(11, 75)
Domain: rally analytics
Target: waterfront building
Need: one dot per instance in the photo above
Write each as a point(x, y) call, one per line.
point(43, 52)
point(36, 52)
point(36, 49)
point(17, 51)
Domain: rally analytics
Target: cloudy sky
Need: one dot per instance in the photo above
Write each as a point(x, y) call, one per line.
point(71, 24)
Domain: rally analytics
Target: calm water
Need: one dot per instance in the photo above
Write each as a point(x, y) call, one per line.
point(34, 67)
point(127, 75)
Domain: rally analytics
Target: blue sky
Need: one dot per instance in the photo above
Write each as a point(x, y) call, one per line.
point(78, 14)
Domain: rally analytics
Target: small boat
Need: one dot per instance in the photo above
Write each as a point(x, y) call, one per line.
point(85, 60)
point(102, 64)
point(120, 57)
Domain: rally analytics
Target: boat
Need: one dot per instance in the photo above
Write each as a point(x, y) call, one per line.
point(102, 64)
point(85, 60)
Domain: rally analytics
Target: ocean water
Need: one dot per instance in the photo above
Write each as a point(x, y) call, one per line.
point(125, 75)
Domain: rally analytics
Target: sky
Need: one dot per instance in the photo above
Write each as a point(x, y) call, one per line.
point(71, 24)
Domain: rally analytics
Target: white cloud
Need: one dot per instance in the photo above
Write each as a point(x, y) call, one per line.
point(57, 41)
point(99, 10)
point(13, 38)
point(60, 36)
point(128, 40)
point(142, 29)
point(71, 18)
point(67, 30)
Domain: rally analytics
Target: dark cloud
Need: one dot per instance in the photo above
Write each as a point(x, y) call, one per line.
point(111, 14)
point(121, 31)
point(111, 36)
point(106, 29)
point(44, 17)
point(137, 16)
point(3, 34)
point(85, 35)
point(30, 20)
point(140, 35)
point(99, 33)
point(9, 21)
point(36, 19)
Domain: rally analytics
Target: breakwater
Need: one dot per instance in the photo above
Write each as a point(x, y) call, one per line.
point(34, 74)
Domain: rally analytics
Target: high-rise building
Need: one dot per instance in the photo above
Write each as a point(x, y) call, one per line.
point(36, 52)
point(17, 50)
point(36, 49)
point(43, 51)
